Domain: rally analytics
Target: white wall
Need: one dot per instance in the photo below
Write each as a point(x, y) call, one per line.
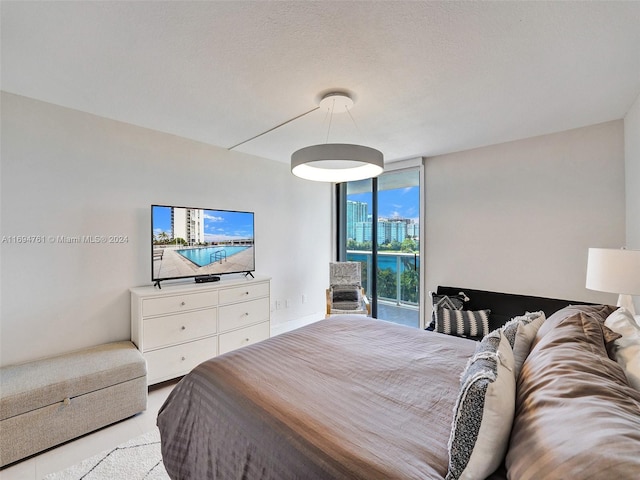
point(632, 170)
point(632, 175)
point(519, 217)
point(69, 173)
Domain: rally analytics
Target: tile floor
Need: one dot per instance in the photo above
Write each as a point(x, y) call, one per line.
point(59, 458)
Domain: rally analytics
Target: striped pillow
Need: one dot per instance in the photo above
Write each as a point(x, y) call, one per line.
point(466, 323)
point(345, 297)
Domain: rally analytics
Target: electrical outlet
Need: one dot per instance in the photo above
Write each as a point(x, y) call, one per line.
point(278, 304)
point(304, 298)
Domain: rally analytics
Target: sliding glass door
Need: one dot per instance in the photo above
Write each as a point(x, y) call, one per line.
point(379, 226)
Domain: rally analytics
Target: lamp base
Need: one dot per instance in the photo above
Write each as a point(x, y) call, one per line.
point(626, 301)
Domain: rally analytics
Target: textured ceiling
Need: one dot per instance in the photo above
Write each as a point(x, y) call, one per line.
point(427, 77)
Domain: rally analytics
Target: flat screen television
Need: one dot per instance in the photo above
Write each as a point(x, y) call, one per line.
point(200, 243)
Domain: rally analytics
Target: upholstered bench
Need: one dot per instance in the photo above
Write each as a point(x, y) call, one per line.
point(50, 401)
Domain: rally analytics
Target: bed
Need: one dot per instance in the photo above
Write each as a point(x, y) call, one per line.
point(356, 398)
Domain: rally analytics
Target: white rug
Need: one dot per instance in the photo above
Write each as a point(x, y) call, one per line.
point(136, 459)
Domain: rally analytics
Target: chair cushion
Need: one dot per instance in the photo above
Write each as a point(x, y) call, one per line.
point(344, 273)
point(346, 297)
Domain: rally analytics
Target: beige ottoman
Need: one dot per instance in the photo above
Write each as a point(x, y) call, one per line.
point(50, 401)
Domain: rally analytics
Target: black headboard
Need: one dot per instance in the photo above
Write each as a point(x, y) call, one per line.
point(505, 306)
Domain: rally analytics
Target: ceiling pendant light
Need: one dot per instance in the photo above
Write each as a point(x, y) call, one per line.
point(337, 162)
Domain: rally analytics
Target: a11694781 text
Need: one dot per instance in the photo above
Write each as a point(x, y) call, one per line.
point(64, 239)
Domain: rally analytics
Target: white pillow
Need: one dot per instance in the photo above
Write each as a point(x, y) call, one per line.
point(627, 351)
point(621, 321)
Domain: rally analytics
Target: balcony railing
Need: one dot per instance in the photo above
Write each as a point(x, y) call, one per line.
point(398, 284)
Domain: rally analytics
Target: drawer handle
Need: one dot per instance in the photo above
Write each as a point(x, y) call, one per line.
point(183, 358)
point(246, 293)
point(183, 327)
point(246, 339)
point(182, 304)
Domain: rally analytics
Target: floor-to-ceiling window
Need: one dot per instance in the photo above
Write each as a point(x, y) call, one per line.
point(379, 226)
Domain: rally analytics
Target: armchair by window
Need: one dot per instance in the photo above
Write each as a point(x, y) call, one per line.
point(345, 294)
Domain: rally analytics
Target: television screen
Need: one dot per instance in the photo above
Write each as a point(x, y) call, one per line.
point(196, 242)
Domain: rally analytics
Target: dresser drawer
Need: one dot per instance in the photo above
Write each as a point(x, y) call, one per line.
point(243, 293)
point(178, 303)
point(241, 314)
point(178, 360)
point(179, 328)
point(243, 337)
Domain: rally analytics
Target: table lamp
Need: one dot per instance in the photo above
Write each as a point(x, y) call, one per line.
point(616, 271)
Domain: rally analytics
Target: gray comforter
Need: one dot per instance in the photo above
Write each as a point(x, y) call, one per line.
point(344, 398)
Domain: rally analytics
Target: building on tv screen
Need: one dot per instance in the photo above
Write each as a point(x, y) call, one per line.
point(190, 242)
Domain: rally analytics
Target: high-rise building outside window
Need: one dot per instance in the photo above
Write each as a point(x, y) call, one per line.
point(392, 203)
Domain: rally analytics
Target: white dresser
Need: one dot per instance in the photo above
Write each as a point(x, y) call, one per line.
point(180, 326)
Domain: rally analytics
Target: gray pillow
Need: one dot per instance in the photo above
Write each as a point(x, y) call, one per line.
point(520, 332)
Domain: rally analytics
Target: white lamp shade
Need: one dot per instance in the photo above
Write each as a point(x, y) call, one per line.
point(614, 270)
